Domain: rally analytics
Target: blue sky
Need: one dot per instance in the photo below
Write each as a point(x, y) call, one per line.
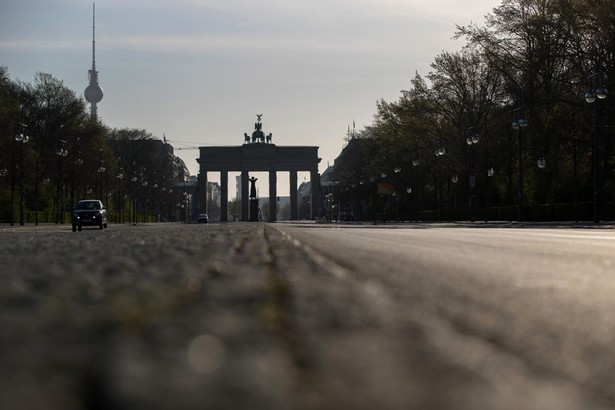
point(198, 71)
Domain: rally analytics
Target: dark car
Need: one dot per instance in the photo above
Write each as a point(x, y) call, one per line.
point(89, 212)
point(202, 219)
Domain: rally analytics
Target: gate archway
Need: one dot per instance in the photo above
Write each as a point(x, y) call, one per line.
point(260, 154)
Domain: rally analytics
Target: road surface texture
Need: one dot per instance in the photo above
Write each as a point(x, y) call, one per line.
point(298, 316)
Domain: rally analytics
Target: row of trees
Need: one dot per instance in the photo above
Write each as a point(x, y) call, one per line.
point(447, 144)
point(445, 149)
point(52, 153)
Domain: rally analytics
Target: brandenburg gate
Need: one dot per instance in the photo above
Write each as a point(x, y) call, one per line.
point(259, 154)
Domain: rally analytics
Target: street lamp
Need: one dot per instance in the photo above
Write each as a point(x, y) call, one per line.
point(440, 151)
point(134, 189)
point(101, 170)
point(597, 89)
point(472, 139)
point(145, 198)
point(23, 138)
point(120, 198)
point(61, 153)
point(416, 161)
point(518, 124)
point(186, 205)
point(397, 192)
point(541, 162)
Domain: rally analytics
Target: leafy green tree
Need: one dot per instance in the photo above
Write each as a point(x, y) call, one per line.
point(545, 50)
point(9, 126)
point(234, 209)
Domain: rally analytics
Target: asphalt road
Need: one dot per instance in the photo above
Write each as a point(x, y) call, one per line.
point(298, 316)
point(508, 318)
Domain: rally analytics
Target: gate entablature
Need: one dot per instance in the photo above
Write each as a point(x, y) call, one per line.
point(254, 158)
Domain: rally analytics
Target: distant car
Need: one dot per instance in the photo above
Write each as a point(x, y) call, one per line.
point(202, 219)
point(89, 212)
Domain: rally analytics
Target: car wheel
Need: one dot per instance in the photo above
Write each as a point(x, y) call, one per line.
point(105, 225)
point(74, 228)
point(79, 228)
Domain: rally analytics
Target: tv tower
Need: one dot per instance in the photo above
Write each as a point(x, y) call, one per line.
point(93, 93)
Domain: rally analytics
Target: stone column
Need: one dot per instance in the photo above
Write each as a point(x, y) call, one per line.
point(315, 194)
point(293, 196)
point(273, 205)
point(203, 178)
point(245, 200)
point(223, 196)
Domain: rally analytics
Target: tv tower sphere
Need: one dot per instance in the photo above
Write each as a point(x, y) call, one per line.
point(93, 93)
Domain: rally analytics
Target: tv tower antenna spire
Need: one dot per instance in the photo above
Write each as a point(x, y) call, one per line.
point(93, 93)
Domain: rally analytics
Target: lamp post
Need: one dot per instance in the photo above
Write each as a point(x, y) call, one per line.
point(596, 89)
point(120, 198)
point(397, 193)
point(472, 139)
point(155, 210)
point(409, 192)
point(452, 190)
point(518, 124)
point(186, 205)
point(415, 163)
point(134, 188)
point(101, 170)
point(144, 184)
point(440, 151)
point(384, 192)
point(490, 170)
point(61, 153)
point(329, 198)
point(23, 138)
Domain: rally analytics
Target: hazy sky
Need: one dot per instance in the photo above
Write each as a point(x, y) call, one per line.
point(198, 71)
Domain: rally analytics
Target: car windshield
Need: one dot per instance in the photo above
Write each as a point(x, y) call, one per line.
point(88, 205)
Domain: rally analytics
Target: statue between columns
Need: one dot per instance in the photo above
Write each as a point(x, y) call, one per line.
point(253, 201)
point(253, 187)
